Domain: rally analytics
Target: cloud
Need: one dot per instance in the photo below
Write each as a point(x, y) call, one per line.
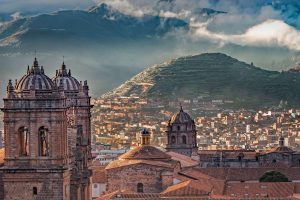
point(16, 15)
point(268, 33)
point(252, 23)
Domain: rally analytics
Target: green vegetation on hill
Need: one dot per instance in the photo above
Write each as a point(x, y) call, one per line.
point(218, 76)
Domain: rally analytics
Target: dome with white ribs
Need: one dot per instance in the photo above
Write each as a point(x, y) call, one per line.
point(35, 79)
point(65, 79)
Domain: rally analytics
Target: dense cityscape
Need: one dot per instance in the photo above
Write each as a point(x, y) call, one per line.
point(117, 123)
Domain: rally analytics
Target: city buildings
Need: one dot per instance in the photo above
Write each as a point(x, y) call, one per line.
point(147, 172)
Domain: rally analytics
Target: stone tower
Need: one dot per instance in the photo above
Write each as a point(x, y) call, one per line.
point(181, 133)
point(47, 145)
point(36, 148)
point(79, 131)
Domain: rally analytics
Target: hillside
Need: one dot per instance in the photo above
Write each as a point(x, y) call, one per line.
point(216, 76)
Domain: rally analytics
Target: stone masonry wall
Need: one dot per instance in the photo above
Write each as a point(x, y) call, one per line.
point(129, 176)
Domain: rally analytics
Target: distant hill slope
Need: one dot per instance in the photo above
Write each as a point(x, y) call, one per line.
point(215, 75)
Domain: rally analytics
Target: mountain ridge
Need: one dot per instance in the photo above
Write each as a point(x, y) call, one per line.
point(213, 75)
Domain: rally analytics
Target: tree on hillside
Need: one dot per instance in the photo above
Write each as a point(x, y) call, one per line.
point(273, 176)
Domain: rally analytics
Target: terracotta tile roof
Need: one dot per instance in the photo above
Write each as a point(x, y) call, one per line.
point(145, 153)
point(253, 190)
point(239, 174)
point(189, 188)
point(123, 163)
point(205, 173)
point(185, 161)
point(181, 178)
point(117, 195)
point(99, 175)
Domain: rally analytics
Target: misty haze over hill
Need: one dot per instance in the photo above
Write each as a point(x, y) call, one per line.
point(109, 43)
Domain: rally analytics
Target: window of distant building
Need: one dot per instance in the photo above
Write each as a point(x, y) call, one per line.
point(178, 128)
point(173, 139)
point(183, 139)
point(23, 137)
point(274, 161)
point(140, 188)
point(34, 190)
point(43, 141)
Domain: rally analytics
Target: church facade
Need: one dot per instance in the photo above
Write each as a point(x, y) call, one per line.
point(47, 137)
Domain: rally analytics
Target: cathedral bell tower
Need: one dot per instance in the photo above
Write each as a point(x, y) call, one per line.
point(181, 133)
point(79, 131)
point(36, 164)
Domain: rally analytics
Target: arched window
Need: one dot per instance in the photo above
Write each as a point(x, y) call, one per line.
point(173, 139)
point(23, 137)
point(43, 142)
point(183, 139)
point(140, 188)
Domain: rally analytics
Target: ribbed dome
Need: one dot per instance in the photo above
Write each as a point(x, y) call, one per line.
point(63, 77)
point(145, 153)
point(34, 79)
point(181, 117)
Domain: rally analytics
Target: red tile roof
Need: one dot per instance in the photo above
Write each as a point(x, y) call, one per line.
point(99, 175)
point(123, 163)
point(258, 190)
point(240, 174)
point(189, 188)
point(185, 161)
point(145, 153)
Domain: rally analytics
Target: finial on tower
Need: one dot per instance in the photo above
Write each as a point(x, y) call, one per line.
point(35, 62)
point(10, 87)
point(63, 66)
point(180, 106)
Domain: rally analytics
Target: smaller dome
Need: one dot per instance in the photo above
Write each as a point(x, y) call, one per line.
point(145, 132)
point(181, 117)
point(34, 79)
point(145, 153)
point(64, 78)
